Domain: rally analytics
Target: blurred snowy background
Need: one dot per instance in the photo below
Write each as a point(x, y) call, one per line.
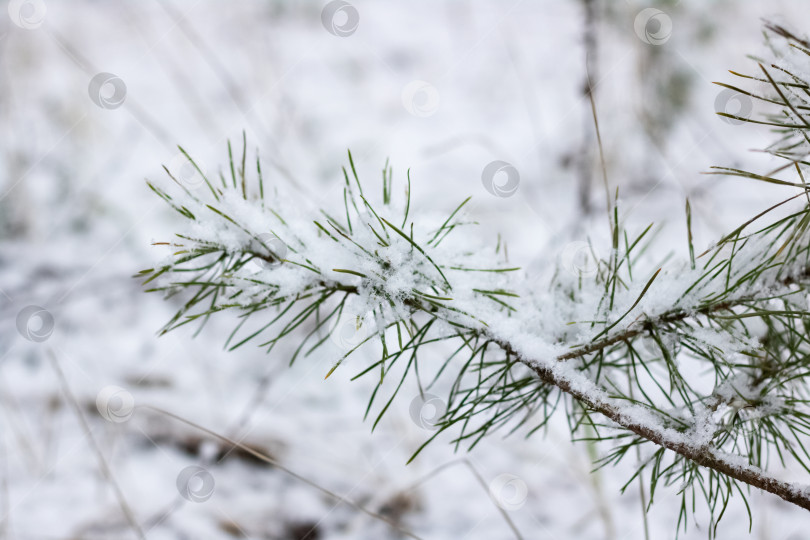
point(96, 95)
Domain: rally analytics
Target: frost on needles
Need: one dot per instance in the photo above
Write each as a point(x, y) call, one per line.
point(608, 351)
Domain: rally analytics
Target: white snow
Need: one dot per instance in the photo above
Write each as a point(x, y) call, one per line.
point(76, 221)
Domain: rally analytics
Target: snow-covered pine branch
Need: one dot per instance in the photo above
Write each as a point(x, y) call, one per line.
point(627, 350)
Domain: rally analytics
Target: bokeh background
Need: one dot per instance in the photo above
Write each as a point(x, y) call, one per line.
point(95, 96)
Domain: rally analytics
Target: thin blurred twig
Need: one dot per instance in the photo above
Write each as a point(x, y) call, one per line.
point(210, 57)
point(585, 153)
point(601, 154)
point(139, 113)
point(102, 461)
point(480, 479)
point(267, 459)
point(4, 521)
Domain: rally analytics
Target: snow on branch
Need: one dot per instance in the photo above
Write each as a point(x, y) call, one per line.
point(629, 351)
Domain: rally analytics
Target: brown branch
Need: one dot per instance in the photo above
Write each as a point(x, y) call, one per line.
point(670, 317)
point(702, 456)
point(612, 408)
